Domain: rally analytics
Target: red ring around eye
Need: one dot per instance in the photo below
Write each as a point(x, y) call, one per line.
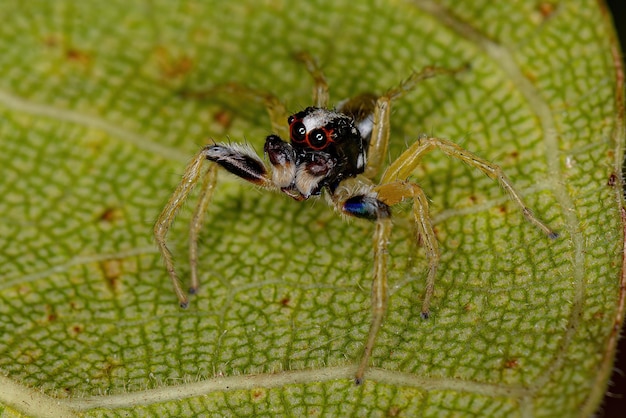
point(319, 138)
point(297, 131)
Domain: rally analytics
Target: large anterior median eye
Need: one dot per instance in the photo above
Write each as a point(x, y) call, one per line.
point(318, 138)
point(297, 131)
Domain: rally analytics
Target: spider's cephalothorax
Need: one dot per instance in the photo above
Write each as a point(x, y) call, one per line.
point(340, 151)
point(325, 147)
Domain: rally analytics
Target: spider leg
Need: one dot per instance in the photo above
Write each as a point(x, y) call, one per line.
point(275, 108)
point(320, 86)
point(393, 193)
point(356, 197)
point(166, 218)
point(406, 163)
point(373, 203)
point(239, 160)
point(377, 151)
point(206, 193)
point(379, 293)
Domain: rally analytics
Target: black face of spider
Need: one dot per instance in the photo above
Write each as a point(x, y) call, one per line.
point(325, 147)
point(317, 129)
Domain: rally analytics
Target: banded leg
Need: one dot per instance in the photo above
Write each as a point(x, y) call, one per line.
point(377, 152)
point(240, 161)
point(408, 161)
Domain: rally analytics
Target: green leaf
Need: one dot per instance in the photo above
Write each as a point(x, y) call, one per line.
point(95, 136)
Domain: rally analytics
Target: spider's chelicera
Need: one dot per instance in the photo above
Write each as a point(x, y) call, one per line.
point(341, 151)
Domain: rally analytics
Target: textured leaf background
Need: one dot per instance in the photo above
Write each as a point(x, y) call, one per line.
point(94, 137)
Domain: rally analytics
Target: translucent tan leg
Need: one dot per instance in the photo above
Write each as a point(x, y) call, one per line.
point(166, 218)
point(206, 193)
point(178, 198)
point(377, 152)
point(392, 191)
point(408, 161)
point(275, 108)
point(320, 86)
point(379, 293)
point(392, 194)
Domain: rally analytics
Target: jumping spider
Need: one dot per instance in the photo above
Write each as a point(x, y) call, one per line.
point(339, 151)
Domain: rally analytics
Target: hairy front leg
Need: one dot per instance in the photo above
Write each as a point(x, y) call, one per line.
point(239, 160)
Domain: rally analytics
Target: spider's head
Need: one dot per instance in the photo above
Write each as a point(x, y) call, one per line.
point(318, 130)
point(325, 147)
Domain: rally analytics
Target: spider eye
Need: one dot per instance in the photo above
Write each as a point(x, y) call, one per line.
point(298, 132)
point(318, 138)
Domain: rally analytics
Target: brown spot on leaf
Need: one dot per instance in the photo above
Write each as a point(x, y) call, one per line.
point(76, 329)
point(171, 66)
point(107, 368)
point(546, 9)
point(258, 394)
point(78, 56)
point(68, 52)
point(393, 411)
point(51, 314)
point(110, 214)
point(112, 270)
point(511, 363)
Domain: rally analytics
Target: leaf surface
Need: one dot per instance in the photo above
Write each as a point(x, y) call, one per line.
point(95, 136)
